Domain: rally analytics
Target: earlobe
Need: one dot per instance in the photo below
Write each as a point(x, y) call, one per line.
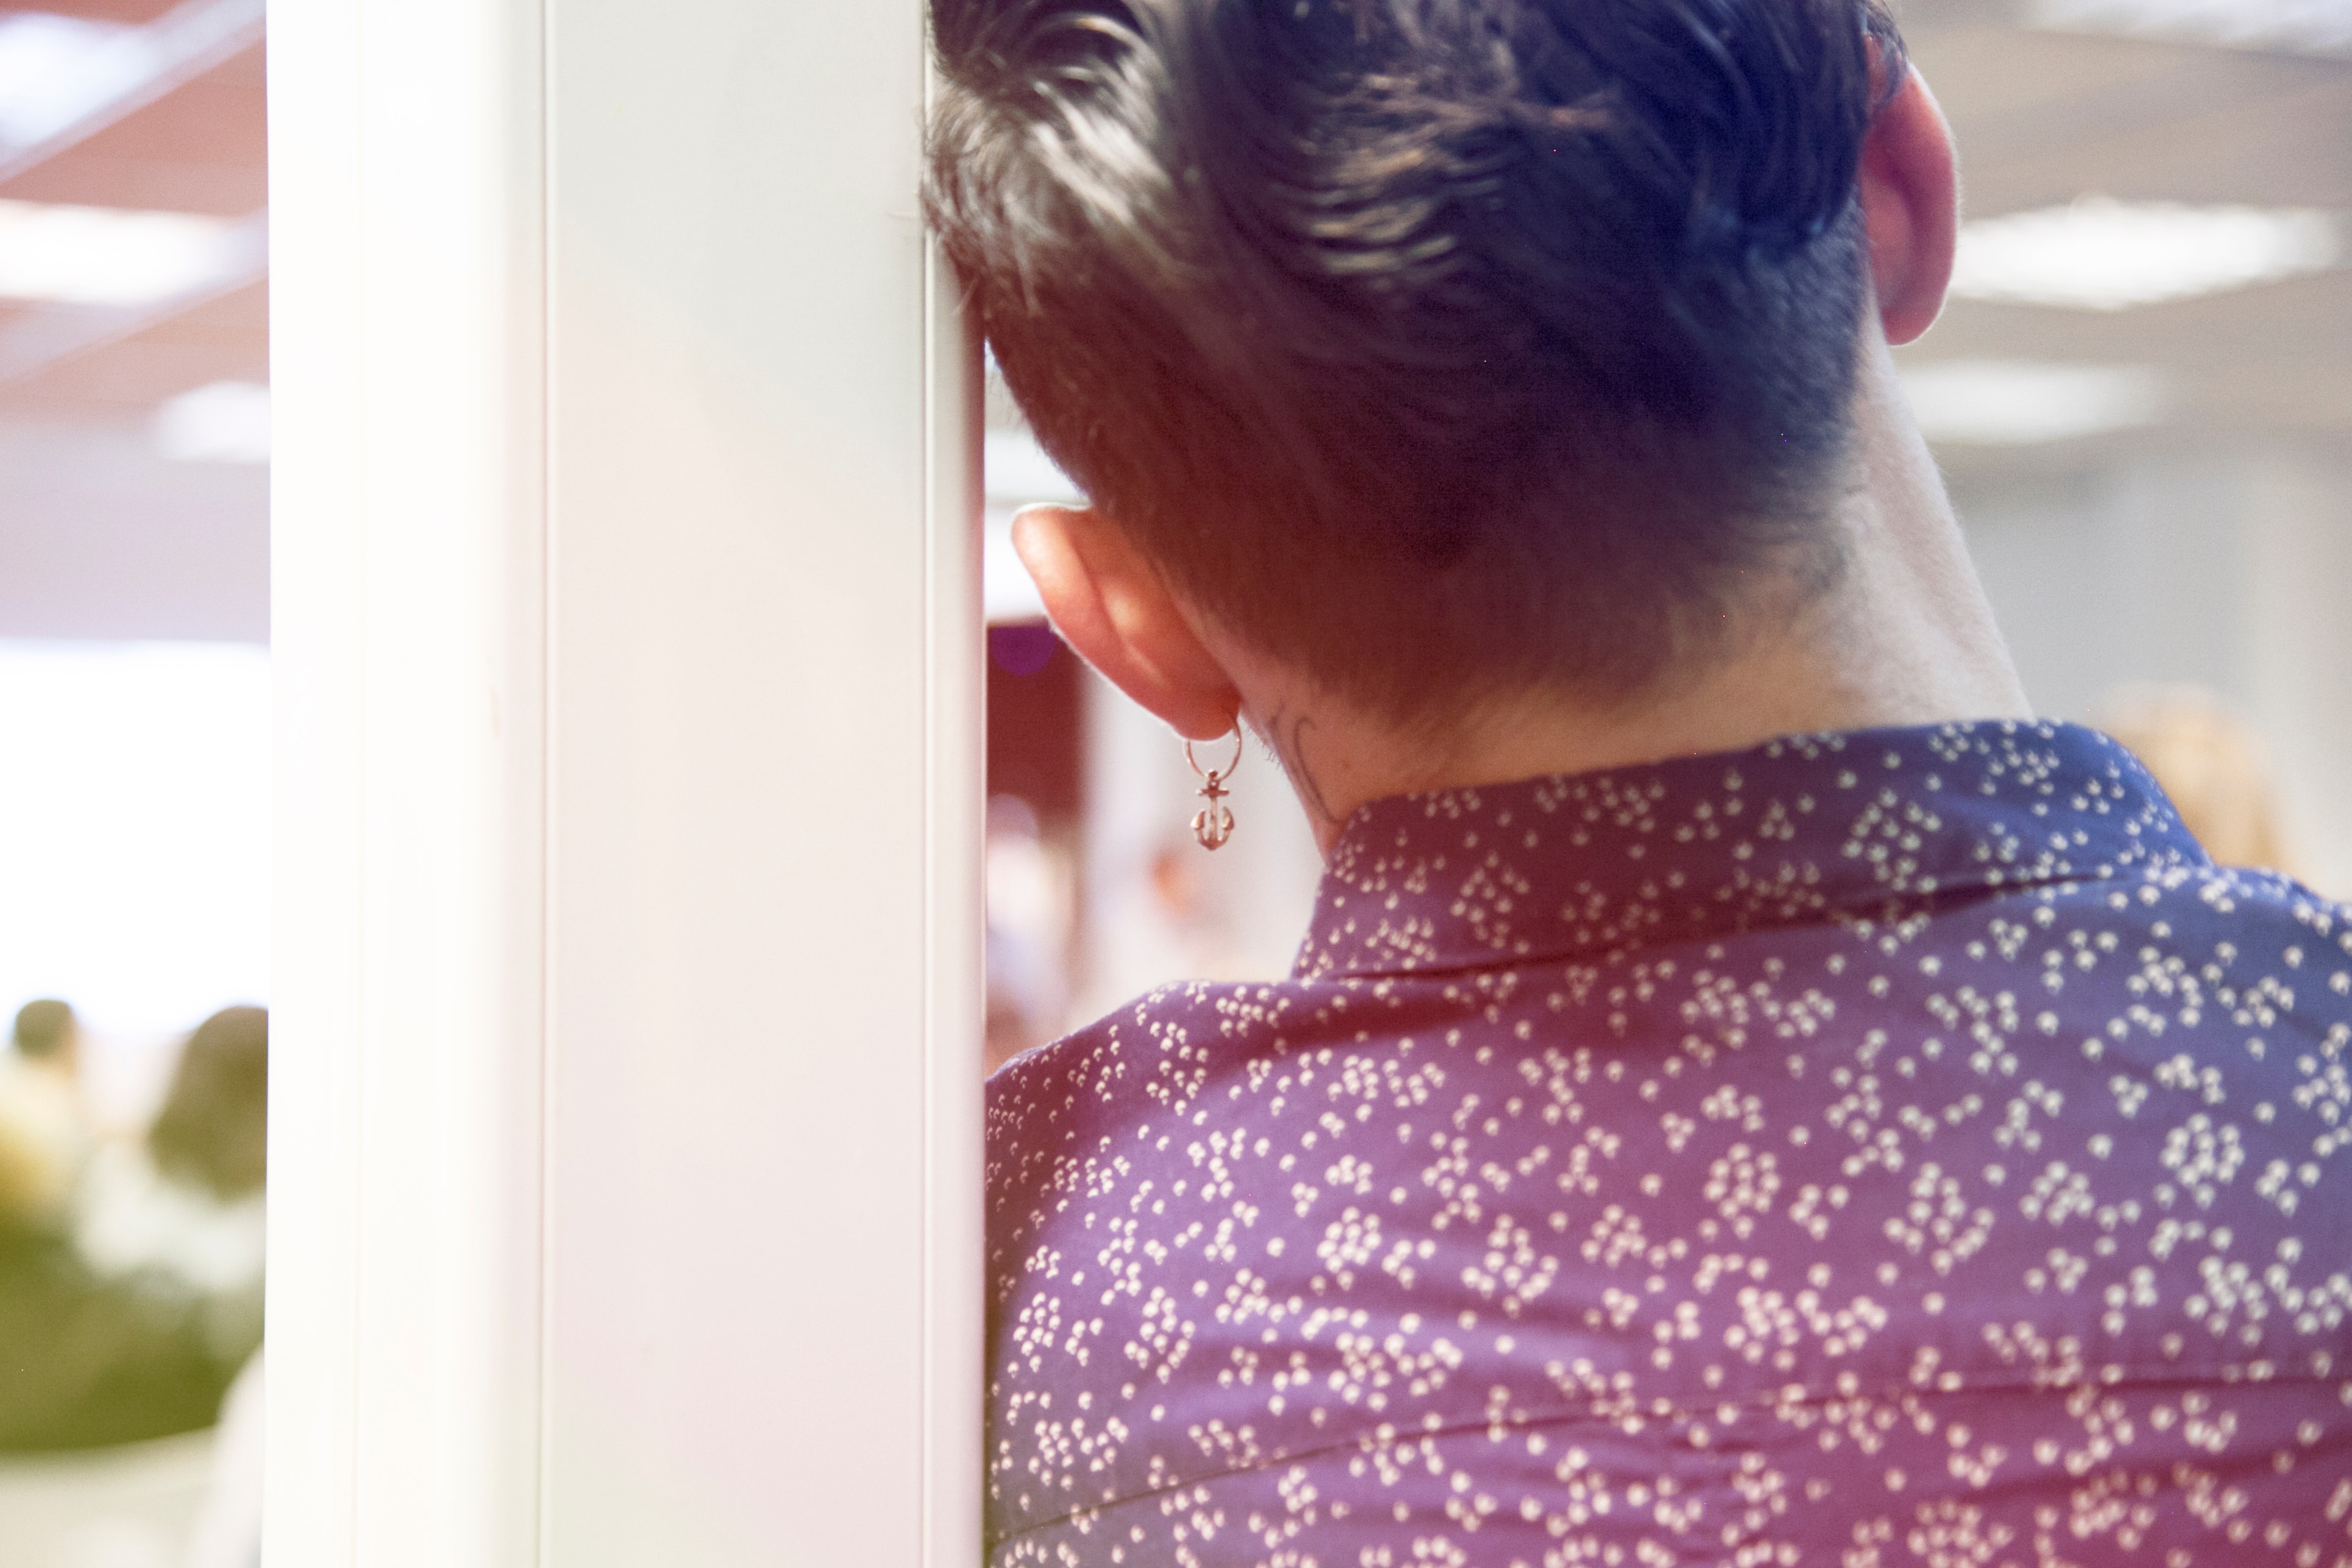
point(1910, 204)
point(1119, 615)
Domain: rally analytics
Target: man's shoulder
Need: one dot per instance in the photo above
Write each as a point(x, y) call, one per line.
point(1190, 1022)
point(2243, 927)
point(2232, 929)
point(1158, 1049)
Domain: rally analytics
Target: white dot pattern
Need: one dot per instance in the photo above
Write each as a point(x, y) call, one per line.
point(1902, 1147)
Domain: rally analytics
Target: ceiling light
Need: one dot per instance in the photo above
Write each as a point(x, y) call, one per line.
point(56, 70)
point(2101, 254)
point(228, 422)
point(109, 255)
point(2011, 402)
point(2314, 26)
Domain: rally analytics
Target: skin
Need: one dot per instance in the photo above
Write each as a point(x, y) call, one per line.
point(1905, 636)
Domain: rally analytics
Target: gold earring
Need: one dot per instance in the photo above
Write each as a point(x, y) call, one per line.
point(1213, 824)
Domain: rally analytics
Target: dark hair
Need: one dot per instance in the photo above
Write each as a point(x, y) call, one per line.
point(214, 1128)
point(44, 1028)
point(1431, 344)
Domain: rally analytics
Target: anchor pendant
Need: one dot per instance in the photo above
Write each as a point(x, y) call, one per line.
point(1212, 824)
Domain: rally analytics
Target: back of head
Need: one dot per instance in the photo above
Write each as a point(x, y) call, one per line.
point(214, 1128)
point(44, 1030)
point(1433, 346)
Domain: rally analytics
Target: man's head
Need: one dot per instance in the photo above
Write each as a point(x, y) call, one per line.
point(1435, 347)
point(46, 1033)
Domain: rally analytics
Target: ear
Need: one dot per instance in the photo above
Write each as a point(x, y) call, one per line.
point(1911, 206)
point(1112, 607)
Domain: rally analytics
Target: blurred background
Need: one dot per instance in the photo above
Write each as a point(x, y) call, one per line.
point(134, 768)
point(2141, 396)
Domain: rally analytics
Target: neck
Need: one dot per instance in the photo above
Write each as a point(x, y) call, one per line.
point(1905, 636)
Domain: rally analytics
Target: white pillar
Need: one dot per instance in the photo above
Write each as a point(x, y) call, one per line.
point(625, 1111)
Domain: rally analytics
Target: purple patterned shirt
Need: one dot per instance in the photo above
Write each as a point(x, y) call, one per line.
point(1902, 1147)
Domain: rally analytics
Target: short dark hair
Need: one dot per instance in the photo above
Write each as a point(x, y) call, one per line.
point(44, 1028)
point(1430, 344)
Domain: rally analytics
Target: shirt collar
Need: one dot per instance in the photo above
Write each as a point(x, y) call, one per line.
point(1867, 824)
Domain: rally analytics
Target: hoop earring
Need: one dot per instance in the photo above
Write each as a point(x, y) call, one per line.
point(1213, 824)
